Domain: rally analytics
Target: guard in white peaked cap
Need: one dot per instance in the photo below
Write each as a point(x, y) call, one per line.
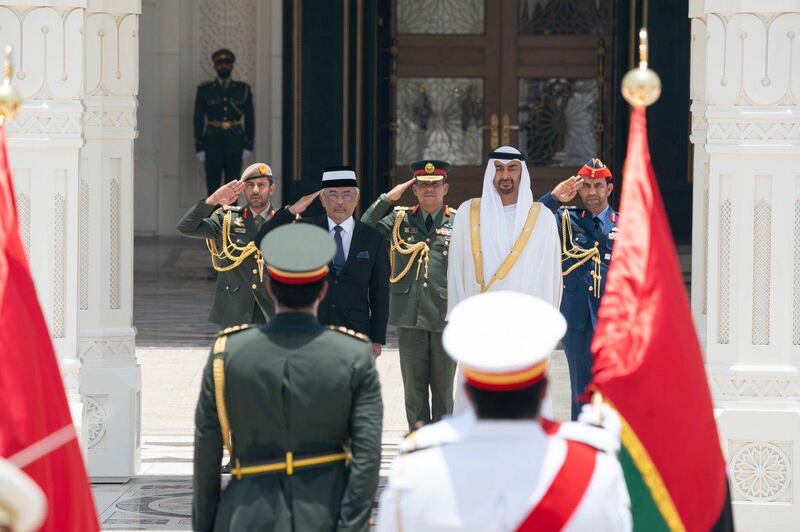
point(500, 349)
point(503, 468)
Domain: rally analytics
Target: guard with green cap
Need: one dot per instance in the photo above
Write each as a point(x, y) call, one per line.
point(419, 240)
point(241, 295)
point(296, 404)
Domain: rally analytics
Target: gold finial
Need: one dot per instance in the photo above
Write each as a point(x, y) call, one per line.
point(641, 87)
point(10, 100)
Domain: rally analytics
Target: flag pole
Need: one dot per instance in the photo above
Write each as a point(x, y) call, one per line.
point(641, 87)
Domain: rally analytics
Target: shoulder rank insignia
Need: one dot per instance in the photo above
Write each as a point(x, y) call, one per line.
point(235, 328)
point(349, 332)
point(233, 208)
point(449, 211)
point(402, 208)
point(222, 336)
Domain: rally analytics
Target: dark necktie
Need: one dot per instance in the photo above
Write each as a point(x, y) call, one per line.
point(338, 259)
point(258, 220)
point(428, 222)
point(598, 225)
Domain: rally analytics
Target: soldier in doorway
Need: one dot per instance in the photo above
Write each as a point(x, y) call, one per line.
point(224, 122)
point(419, 239)
point(241, 295)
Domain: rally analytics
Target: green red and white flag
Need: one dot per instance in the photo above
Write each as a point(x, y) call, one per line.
point(648, 365)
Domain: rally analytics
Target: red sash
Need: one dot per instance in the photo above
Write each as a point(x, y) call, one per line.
point(549, 426)
point(565, 492)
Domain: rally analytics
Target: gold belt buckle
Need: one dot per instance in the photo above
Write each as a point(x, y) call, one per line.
point(226, 124)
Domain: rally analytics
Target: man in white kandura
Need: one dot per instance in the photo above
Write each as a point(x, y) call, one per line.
point(506, 468)
point(502, 242)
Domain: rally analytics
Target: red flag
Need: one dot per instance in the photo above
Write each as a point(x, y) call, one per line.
point(649, 365)
point(36, 431)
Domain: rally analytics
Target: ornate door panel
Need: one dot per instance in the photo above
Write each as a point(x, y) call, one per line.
point(556, 84)
point(535, 78)
point(446, 86)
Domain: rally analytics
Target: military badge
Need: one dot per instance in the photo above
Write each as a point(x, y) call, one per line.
point(444, 231)
point(429, 168)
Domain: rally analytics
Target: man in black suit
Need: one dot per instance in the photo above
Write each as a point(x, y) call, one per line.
point(358, 280)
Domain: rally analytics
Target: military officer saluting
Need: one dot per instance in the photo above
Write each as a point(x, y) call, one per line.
point(224, 122)
point(296, 404)
point(419, 240)
point(587, 238)
point(241, 296)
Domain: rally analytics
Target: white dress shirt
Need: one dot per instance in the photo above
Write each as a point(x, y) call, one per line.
point(348, 226)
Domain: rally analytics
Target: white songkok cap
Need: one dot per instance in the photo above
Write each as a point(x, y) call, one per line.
point(339, 176)
point(503, 339)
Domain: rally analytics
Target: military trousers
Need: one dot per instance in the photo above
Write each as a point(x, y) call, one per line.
point(219, 162)
point(577, 345)
point(427, 375)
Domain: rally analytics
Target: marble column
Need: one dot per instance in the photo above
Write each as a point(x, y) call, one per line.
point(71, 149)
point(745, 89)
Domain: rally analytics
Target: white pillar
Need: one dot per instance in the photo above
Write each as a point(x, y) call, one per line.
point(745, 92)
point(71, 150)
point(110, 376)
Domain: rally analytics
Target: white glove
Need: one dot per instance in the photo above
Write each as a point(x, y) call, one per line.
point(246, 154)
point(609, 421)
point(201, 156)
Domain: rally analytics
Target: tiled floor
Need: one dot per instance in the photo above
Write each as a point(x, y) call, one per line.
point(171, 301)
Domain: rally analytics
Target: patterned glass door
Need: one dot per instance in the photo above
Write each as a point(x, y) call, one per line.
point(470, 75)
point(445, 79)
point(556, 80)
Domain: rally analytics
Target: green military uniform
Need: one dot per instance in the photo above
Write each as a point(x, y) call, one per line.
point(297, 405)
point(241, 295)
point(224, 126)
point(418, 306)
point(230, 233)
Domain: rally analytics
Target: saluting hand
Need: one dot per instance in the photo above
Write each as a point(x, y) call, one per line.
point(226, 194)
point(302, 204)
point(397, 192)
point(567, 189)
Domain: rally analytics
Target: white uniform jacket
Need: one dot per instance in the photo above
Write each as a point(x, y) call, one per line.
point(483, 475)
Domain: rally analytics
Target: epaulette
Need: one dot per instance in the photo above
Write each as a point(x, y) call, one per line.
point(402, 208)
point(235, 328)
point(449, 210)
point(222, 336)
point(349, 332)
point(233, 208)
point(595, 437)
